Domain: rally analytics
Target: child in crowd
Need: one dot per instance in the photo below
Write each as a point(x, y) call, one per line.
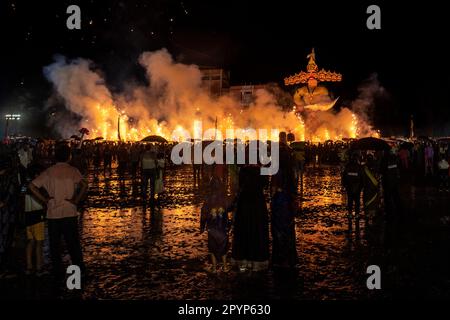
point(34, 219)
point(214, 218)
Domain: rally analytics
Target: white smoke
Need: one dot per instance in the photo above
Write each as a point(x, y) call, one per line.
point(174, 98)
point(363, 106)
point(350, 121)
point(82, 90)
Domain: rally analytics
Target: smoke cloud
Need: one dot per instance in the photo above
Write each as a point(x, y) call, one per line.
point(174, 99)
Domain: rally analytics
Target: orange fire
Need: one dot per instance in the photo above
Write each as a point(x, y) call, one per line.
point(353, 130)
point(111, 124)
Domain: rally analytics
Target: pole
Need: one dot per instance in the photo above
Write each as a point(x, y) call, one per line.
point(118, 127)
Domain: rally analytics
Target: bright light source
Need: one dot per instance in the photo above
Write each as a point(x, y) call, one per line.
point(12, 116)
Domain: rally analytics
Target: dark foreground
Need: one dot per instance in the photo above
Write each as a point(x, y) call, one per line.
point(134, 252)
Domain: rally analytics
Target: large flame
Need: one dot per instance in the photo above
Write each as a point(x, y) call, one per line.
point(112, 124)
point(353, 130)
point(175, 105)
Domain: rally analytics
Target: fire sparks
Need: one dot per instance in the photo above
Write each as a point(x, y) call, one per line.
point(129, 129)
point(197, 125)
point(353, 130)
point(300, 129)
point(175, 102)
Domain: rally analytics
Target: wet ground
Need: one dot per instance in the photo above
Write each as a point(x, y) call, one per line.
point(133, 252)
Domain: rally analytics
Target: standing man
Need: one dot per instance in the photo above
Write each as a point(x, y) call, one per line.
point(371, 195)
point(429, 159)
point(65, 187)
point(123, 158)
point(135, 154)
point(286, 172)
point(391, 180)
point(149, 171)
point(107, 160)
point(352, 180)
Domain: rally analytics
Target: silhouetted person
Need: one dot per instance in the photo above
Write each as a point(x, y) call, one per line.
point(286, 172)
point(352, 179)
point(251, 222)
point(160, 167)
point(371, 196)
point(135, 154)
point(391, 180)
point(65, 188)
point(214, 219)
point(122, 158)
point(107, 160)
point(97, 160)
point(196, 167)
point(149, 171)
point(284, 250)
point(429, 159)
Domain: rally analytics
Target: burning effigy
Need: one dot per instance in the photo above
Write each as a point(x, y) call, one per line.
point(314, 107)
point(313, 96)
point(174, 105)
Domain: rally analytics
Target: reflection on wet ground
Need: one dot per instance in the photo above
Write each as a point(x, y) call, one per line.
point(133, 252)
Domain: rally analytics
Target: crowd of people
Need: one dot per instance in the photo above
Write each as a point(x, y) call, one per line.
point(43, 183)
point(376, 175)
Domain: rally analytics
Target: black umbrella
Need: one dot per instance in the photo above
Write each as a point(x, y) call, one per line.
point(99, 138)
point(370, 143)
point(154, 138)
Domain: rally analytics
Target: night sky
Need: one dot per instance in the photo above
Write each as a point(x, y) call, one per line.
point(258, 41)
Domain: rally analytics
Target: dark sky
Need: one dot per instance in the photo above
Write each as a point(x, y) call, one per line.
point(258, 41)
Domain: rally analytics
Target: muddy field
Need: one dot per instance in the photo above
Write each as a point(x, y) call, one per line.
point(136, 252)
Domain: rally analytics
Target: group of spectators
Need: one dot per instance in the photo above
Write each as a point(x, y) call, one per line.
point(46, 180)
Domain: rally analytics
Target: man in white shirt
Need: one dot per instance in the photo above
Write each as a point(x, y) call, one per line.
point(65, 187)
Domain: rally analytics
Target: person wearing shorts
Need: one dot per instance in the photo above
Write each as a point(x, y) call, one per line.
point(35, 230)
